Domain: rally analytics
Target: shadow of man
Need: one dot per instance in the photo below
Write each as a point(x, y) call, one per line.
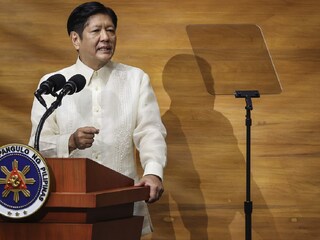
point(205, 175)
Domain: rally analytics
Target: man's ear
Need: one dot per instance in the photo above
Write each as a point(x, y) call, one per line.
point(75, 38)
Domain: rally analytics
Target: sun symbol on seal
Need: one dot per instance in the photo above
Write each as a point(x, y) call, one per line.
point(16, 181)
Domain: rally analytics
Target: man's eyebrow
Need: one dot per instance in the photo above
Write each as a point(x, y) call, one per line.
point(100, 25)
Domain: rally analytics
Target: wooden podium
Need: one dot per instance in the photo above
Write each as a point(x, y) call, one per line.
point(87, 201)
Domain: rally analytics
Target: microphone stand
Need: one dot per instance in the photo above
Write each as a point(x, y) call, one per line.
point(248, 203)
point(47, 113)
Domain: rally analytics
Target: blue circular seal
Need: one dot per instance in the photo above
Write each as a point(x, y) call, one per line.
point(24, 181)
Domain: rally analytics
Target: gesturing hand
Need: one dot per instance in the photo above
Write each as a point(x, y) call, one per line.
point(82, 138)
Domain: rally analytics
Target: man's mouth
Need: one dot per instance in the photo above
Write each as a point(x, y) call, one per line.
point(107, 49)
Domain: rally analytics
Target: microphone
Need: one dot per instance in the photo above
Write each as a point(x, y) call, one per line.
point(75, 84)
point(50, 86)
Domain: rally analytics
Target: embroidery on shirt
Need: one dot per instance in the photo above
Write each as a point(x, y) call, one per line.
point(122, 133)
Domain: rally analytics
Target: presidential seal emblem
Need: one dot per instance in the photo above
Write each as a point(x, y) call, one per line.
point(24, 181)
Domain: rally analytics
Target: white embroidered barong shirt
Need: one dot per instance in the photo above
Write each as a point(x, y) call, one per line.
point(119, 101)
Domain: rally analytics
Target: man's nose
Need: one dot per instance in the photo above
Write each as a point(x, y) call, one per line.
point(104, 36)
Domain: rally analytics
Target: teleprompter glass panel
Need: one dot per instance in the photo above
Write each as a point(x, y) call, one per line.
point(238, 57)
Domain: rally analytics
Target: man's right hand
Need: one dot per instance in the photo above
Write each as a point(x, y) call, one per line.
point(82, 138)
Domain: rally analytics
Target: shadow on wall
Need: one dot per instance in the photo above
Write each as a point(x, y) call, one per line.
point(205, 175)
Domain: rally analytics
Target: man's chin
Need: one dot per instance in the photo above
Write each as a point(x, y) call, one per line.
point(105, 57)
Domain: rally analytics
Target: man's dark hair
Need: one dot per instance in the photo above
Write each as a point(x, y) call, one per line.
point(80, 15)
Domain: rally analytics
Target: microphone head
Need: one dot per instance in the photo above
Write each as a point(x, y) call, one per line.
point(76, 83)
point(53, 83)
point(59, 81)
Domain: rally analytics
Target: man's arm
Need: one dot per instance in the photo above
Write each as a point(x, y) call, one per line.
point(149, 138)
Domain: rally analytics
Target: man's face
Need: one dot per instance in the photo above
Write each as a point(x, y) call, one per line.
point(98, 42)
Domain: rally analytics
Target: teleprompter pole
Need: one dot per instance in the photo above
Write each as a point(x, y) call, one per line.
point(248, 207)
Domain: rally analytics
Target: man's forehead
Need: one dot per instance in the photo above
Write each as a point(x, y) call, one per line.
point(98, 20)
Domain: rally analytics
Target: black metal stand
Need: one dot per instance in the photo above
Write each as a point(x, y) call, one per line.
point(47, 113)
point(248, 203)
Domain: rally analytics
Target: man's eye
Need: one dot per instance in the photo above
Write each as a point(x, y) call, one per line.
point(111, 30)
